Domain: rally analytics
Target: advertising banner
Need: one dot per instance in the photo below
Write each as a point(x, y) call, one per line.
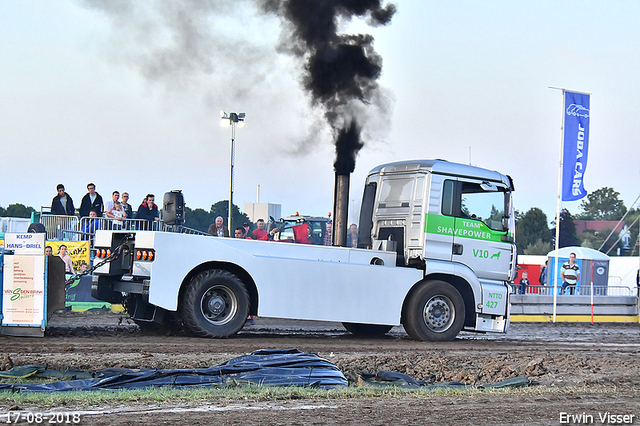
point(576, 144)
point(23, 290)
point(27, 243)
point(77, 250)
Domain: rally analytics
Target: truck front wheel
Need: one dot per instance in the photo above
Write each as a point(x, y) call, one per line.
point(215, 304)
point(435, 312)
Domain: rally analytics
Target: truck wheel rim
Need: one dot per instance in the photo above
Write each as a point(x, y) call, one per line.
point(218, 305)
point(439, 313)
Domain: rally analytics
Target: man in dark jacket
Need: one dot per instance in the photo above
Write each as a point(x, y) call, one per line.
point(62, 204)
point(148, 211)
point(91, 201)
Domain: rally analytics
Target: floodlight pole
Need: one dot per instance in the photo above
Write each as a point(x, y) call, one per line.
point(233, 120)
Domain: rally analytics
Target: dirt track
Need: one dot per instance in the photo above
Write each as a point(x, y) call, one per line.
point(595, 367)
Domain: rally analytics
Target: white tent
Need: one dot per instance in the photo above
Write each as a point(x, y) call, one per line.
point(581, 253)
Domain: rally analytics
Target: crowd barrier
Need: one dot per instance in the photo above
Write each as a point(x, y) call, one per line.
point(70, 228)
point(572, 290)
point(566, 305)
point(14, 224)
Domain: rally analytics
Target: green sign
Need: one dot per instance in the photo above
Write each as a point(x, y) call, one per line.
point(461, 228)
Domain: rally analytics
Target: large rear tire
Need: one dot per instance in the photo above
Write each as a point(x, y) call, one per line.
point(435, 312)
point(215, 304)
point(36, 227)
point(369, 330)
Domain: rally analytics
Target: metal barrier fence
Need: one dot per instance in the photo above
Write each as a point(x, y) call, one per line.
point(544, 290)
point(89, 225)
point(609, 305)
point(60, 227)
point(14, 224)
point(181, 229)
point(70, 228)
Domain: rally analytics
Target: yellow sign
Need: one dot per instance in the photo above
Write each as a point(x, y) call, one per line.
point(77, 250)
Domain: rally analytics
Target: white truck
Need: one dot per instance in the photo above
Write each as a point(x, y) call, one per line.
point(436, 254)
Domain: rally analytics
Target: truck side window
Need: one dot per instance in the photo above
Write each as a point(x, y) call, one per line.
point(447, 198)
point(487, 207)
point(396, 192)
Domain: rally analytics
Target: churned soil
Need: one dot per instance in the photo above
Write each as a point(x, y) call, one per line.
point(575, 369)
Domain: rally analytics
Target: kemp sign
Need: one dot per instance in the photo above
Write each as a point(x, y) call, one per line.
point(576, 143)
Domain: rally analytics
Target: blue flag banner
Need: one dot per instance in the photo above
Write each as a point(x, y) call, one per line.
point(577, 111)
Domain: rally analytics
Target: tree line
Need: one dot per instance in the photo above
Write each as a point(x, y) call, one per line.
point(200, 219)
point(534, 236)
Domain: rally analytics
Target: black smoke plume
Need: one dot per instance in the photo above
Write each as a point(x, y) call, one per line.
point(340, 70)
point(348, 144)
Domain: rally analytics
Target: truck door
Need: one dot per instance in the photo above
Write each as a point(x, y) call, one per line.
point(480, 238)
point(439, 223)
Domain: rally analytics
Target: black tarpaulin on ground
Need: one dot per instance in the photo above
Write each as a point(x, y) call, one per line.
point(288, 367)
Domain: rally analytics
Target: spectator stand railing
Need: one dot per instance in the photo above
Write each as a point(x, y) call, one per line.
point(70, 228)
point(584, 290)
point(14, 224)
point(60, 228)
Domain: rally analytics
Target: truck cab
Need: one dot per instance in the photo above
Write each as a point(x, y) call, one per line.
point(436, 210)
point(455, 222)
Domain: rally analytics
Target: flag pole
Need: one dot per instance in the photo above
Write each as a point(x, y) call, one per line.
point(591, 291)
point(558, 206)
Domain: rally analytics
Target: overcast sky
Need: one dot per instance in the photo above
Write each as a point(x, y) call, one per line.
point(127, 94)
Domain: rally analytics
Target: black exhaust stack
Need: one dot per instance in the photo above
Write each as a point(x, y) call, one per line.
point(340, 210)
point(347, 146)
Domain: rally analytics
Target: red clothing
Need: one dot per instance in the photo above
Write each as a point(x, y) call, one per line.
point(261, 234)
point(301, 235)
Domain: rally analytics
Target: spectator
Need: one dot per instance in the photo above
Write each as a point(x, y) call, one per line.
point(118, 215)
point(62, 204)
point(241, 233)
point(108, 206)
point(260, 233)
point(327, 235)
point(148, 211)
point(68, 265)
point(126, 207)
point(524, 282)
point(91, 201)
point(570, 274)
point(92, 224)
point(543, 273)
point(48, 251)
point(218, 229)
point(247, 231)
point(352, 236)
